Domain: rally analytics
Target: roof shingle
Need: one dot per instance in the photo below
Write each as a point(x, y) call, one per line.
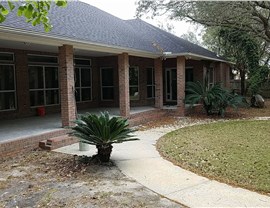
point(83, 22)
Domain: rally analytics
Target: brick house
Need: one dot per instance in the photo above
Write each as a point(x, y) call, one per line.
point(92, 59)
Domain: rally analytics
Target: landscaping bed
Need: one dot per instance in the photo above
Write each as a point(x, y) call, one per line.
point(50, 179)
point(234, 152)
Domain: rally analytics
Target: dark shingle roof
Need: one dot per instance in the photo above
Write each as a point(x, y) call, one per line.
point(83, 22)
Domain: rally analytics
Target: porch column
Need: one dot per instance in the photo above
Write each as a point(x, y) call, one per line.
point(158, 83)
point(180, 76)
point(225, 68)
point(123, 73)
point(67, 86)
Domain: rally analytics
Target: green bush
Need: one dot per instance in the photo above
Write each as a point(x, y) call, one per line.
point(102, 131)
point(215, 98)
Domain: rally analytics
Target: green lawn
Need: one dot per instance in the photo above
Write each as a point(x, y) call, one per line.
point(234, 152)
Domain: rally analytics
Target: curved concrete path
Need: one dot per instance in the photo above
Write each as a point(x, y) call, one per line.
point(141, 161)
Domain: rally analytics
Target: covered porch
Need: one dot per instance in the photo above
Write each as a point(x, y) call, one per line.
point(32, 126)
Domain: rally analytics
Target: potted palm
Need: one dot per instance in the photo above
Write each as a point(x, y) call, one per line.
point(102, 131)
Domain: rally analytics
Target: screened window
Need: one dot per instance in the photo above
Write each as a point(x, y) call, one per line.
point(150, 83)
point(43, 85)
point(107, 83)
point(7, 87)
point(134, 83)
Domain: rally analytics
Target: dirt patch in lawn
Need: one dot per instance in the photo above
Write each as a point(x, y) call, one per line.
point(197, 114)
point(241, 112)
point(50, 179)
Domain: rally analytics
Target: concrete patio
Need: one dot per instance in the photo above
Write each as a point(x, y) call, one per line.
point(31, 126)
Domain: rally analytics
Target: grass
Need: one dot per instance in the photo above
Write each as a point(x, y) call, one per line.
point(234, 152)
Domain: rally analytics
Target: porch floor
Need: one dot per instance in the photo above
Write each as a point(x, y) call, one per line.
point(25, 127)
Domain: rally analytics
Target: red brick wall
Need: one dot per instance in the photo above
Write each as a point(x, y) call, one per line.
point(18, 146)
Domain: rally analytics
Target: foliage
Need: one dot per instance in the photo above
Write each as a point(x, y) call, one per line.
point(244, 50)
point(191, 37)
point(215, 99)
point(102, 131)
point(35, 12)
point(258, 77)
point(235, 152)
point(238, 30)
point(249, 16)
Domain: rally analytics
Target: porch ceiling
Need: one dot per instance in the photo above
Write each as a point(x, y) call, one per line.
point(48, 48)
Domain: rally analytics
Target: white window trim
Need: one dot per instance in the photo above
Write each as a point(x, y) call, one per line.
point(153, 85)
point(101, 86)
point(44, 89)
point(138, 85)
point(15, 91)
point(80, 84)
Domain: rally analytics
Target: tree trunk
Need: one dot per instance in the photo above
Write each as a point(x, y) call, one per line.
point(104, 152)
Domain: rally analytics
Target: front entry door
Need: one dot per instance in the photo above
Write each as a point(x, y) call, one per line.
point(171, 85)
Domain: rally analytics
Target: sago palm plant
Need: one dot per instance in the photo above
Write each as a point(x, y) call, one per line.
point(102, 131)
point(196, 92)
point(215, 99)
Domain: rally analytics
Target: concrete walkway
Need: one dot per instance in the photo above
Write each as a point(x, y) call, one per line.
point(140, 161)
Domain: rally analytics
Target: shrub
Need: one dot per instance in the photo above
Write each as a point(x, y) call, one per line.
point(102, 131)
point(215, 99)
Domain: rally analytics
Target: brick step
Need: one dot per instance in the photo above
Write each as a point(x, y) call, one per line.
point(57, 142)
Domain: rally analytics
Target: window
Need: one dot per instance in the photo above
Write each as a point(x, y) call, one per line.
point(43, 85)
point(41, 59)
point(211, 78)
point(150, 83)
point(107, 88)
point(82, 62)
point(6, 57)
point(83, 80)
point(134, 83)
point(189, 74)
point(7, 87)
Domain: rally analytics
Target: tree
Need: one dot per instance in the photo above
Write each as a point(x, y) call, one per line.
point(35, 12)
point(191, 37)
point(244, 50)
point(249, 16)
point(235, 22)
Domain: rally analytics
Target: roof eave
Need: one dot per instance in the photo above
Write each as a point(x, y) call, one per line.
point(190, 55)
point(14, 34)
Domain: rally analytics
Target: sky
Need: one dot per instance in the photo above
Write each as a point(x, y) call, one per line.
point(126, 9)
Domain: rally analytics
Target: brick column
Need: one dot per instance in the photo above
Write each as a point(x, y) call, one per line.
point(67, 86)
point(22, 83)
point(123, 73)
point(225, 68)
point(158, 83)
point(180, 85)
